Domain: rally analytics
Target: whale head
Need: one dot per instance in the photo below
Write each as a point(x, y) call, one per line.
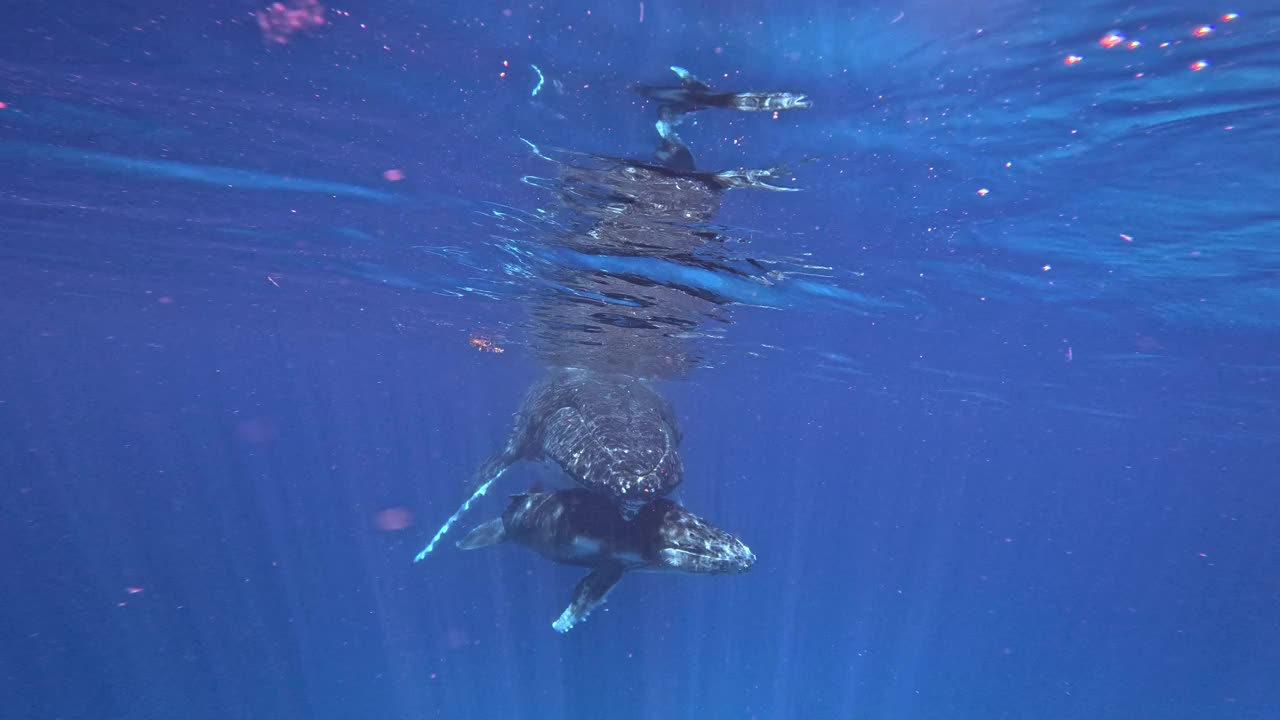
point(689, 544)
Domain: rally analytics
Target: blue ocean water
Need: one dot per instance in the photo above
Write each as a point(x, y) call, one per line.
point(993, 397)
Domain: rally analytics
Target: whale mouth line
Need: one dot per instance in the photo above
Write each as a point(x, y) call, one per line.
point(694, 554)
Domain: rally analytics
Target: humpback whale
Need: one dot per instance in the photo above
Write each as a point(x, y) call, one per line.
point(613, 434)
point(605, 329)
point(579, 527)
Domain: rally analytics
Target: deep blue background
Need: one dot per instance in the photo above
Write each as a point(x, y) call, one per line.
point(977, 488)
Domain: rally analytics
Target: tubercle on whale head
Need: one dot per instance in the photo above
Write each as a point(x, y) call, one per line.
point(740, 559)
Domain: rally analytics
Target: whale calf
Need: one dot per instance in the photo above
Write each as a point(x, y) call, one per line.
point(583, 528)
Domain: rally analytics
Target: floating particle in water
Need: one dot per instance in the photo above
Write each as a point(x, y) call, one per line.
point(393, 175)
point(1111, 39)
point(1072, 59)
point(1134, 44)
point(395, 518)
point(279, 21)
point(1199, 65)
point(1126, 238)
point(983, 192)
point(1230, 16)
point(1046, 268)
point(1203, 31)
point(484, 344)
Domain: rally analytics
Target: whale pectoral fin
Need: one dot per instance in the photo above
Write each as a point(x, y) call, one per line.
point(589, 594)
point(484, 479)
point(490, 533)
point(688, 80)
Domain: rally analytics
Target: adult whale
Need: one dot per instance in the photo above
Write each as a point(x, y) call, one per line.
point(612, 434)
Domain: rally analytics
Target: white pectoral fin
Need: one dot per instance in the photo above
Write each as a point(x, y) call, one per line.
point(589, 594)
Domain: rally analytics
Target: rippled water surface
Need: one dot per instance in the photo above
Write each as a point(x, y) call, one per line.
point(992, 394)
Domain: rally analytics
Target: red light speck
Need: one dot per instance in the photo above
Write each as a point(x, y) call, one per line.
point(1134, 44)
point(1072, 59)
point(1199, 65)
point(1202, 31)
point(1230, 16)
point(393, 175)
point(1111, 39)
point(983, 192)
